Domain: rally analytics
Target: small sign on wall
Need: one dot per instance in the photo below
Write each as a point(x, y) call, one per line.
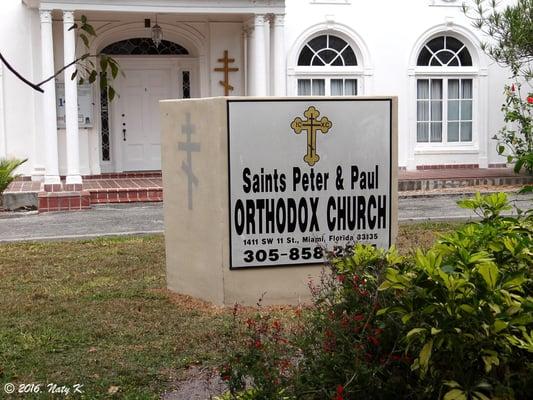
point(306, 175)
point(85, 105)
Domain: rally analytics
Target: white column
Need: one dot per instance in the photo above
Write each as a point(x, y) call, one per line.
point(268, 61)
point(71, 101)
point(279, 73)
point(258, 67)
point(3, 141)
point(245, 34)
point(49, 100)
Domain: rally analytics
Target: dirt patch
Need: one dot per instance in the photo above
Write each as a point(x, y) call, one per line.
point(199, 384)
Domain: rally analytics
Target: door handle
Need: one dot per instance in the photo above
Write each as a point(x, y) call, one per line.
point(124, 134)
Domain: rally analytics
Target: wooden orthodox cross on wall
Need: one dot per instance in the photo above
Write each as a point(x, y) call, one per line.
point(226, 61)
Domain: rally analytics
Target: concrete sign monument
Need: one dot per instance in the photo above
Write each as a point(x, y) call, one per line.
point(275, 181)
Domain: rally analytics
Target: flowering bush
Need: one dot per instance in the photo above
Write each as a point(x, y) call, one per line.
point(453, 322)
point(516, 138)
point(336, 348)
point(510, 33)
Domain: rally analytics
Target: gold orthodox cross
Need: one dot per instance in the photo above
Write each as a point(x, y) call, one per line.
point(311, 125)
point(226, 69)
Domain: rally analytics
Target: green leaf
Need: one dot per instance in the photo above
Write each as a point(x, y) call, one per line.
point(455, 394)
point(479, 395)
point(435, 331)
point(89, 29)
point(452, 384)
point(519, 164)
point(406, 318)
point(83, 19)
point(111, 93)
point(469, 309)
point(514, 282)
point(424, 356)
point(489, 272)
point(489, 361)
point(85, 39)
point(93, 76)
point(499, 325)
point(114, 69)
point(415, 331)
point(74, 74)
point(501, 149)
point(103, 63)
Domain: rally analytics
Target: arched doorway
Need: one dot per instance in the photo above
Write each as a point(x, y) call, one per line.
point(130, 131)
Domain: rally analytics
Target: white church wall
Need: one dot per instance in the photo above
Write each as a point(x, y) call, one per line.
point(18, 113)
point(226, 36)
point(389, 31)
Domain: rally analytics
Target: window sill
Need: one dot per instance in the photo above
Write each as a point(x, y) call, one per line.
point(330, 1)
point(445, 3)
point(437, 149)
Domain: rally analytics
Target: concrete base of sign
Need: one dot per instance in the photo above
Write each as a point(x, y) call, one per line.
point(196, 211)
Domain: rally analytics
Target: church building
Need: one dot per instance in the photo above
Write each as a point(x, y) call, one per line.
point(426, 52)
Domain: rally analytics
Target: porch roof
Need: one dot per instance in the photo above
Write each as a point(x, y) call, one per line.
point(164, 6)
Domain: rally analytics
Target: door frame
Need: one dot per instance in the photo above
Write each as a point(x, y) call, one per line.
point(175, 65)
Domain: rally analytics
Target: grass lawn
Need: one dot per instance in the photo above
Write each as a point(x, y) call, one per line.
point(97, 313)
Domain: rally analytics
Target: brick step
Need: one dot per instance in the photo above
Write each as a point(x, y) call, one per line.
point(63, 201)
point(126, 195)
point(124, 175)
point(443, 183)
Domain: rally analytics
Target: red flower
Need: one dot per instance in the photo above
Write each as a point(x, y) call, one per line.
point(276, 325)
point(359, 317)
point(340, 391)
point(341, 278)
point(374, 340)
point(257, 343)
point(512, 88)
point(529, 99)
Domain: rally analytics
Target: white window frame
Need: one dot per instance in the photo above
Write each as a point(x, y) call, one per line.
point(327, 77)
point(446, 73)
point(445, 78)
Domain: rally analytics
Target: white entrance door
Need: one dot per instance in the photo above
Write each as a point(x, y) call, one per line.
point(140, 92)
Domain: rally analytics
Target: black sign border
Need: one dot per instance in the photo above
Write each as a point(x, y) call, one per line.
point(307, 100)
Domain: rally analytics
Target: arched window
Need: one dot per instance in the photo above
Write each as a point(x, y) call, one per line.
point(144, 46)
point(326, 67)
point(444, 98)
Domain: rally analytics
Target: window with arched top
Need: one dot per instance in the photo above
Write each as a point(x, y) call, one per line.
point(445, 95)
point(327, 50)
point(326, 67)
point(144, 46)
point(444, 51)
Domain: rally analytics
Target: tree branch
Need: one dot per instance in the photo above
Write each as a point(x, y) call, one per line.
point(37, 86)
point(27, 82)
point(62, 69)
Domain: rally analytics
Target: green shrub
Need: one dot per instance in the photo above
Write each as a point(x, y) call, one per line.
point(7, 167)
point(452, 322)
point(467, 307)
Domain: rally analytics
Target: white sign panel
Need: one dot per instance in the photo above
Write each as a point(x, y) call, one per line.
point(307, 175)
point(85, 105)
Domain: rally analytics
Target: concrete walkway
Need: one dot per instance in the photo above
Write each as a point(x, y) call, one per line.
point(147, 218)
